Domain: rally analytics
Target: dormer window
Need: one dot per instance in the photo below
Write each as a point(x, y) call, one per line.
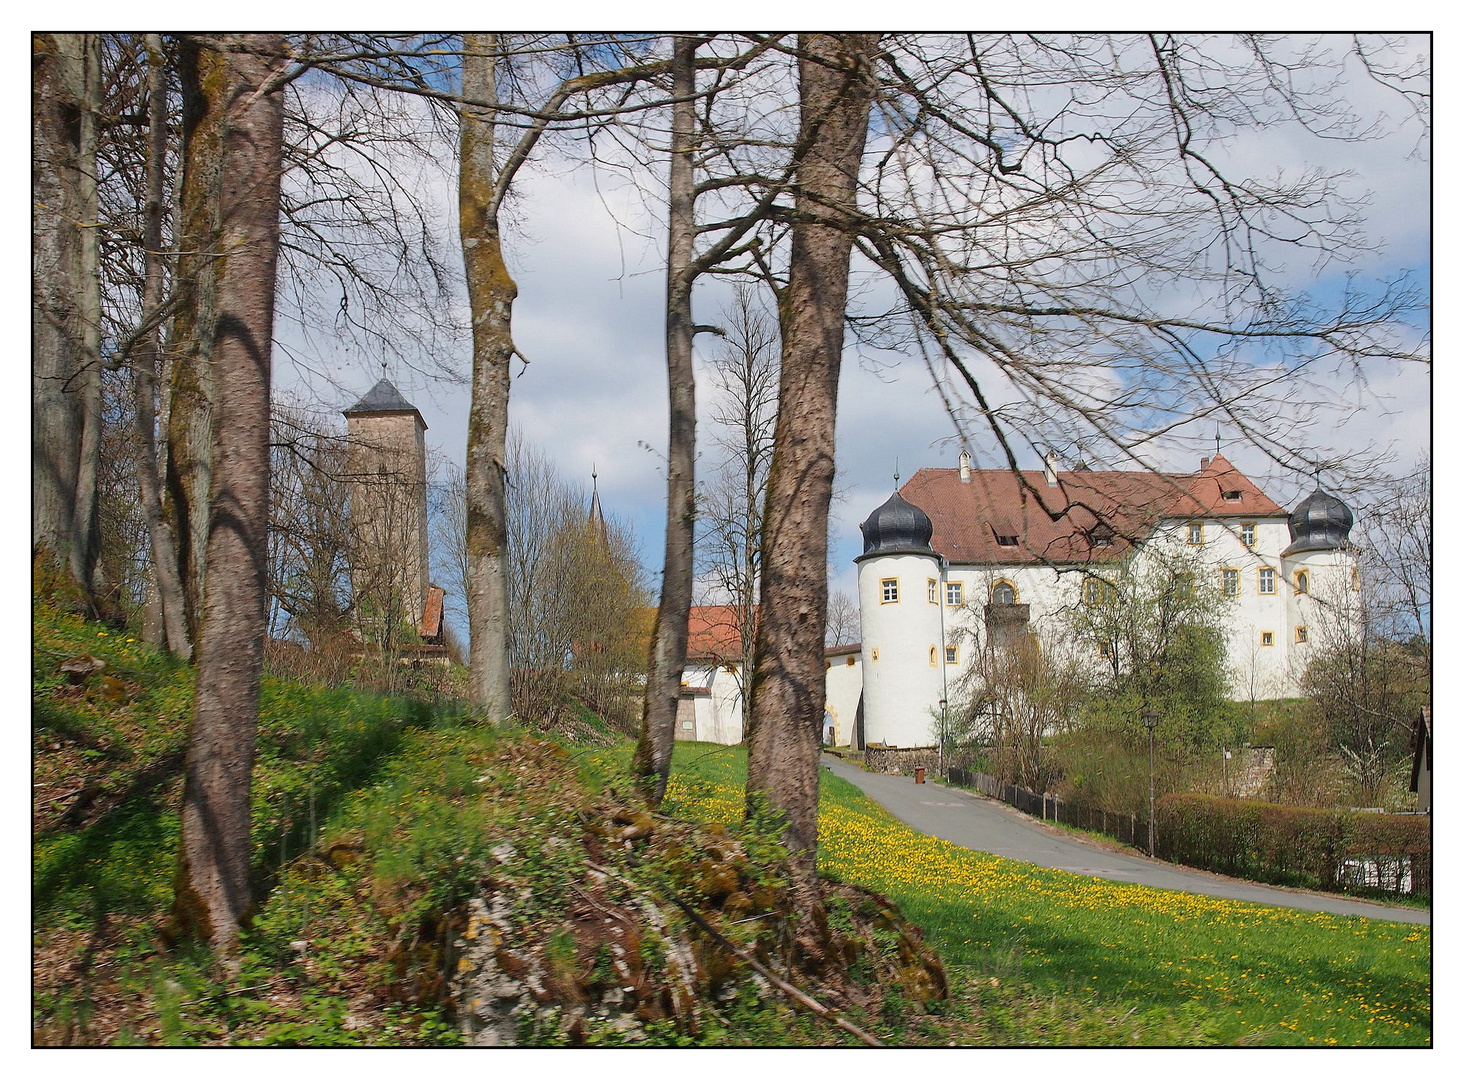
point(1005, 530)
point(1101, 535)
point(1230, 496)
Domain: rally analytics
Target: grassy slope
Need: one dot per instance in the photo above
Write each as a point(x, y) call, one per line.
point(1180, 967)
point(106, 772)
point(407, 802)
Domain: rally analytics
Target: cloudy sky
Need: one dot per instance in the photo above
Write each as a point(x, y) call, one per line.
point(587, 256)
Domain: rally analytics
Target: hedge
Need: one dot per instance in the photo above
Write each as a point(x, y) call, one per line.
point(1288, 844)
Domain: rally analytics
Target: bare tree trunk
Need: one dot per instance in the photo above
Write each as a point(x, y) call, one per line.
point(213, 891)
point(56, 337)
point(84, 536)
point(491, 293)
point(835, 91)
point(668, 650)
point(144, 373)
point(190, 413)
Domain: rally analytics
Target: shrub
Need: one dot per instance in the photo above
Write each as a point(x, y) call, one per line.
point(1287, 844)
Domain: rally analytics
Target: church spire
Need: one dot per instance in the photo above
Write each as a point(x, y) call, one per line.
point(597, 516)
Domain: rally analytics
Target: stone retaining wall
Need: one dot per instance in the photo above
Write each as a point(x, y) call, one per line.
point(901, 760)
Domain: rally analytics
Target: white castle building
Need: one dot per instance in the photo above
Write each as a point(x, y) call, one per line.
point(959, 557)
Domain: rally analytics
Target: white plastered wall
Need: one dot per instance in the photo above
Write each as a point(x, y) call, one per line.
point(719, 712)
point(1329, 609)
point(843, 682)
point(901, 685)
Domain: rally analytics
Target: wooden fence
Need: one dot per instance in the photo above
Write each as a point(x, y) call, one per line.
point(1131, 829)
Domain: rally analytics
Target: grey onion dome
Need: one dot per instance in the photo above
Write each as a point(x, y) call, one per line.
point(897, 527)
point(1320, 522)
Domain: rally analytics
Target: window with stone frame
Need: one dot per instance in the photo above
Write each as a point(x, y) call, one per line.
point(889, 590)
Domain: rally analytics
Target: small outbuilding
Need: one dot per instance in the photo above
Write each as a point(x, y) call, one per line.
point(1422, 781)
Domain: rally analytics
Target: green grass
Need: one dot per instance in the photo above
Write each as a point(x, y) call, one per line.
point(1109, 962)
point(313, 746)
point(103, 862)
point(393, 792)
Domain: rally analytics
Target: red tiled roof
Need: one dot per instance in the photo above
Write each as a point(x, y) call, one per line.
point(431, 627)
point(712, 633)
point(1208, 489)
point(1056, 523)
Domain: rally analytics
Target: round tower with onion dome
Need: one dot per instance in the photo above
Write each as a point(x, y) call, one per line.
point(900, 625)
point(1320, 570)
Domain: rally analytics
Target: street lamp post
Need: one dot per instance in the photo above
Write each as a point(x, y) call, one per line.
point(940, 750)
point(1151, 721)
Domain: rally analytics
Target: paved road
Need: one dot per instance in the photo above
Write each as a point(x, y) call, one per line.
point(983, 824)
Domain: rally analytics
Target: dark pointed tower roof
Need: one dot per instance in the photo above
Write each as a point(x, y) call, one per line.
point(1320, 522)
point(896, 527)
point(384, 398)
point(597, 516)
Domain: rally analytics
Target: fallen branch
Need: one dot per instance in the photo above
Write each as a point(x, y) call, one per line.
point(787, 988)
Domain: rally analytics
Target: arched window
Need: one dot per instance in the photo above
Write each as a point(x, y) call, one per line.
point(1003, 592)
point(932, 656)
point(1303, 581)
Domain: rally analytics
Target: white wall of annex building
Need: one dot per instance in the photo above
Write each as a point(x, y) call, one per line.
point(843, 683)
point(718, 713)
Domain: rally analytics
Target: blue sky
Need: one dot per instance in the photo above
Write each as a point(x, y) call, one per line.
point(587, 260)
point(587, 257)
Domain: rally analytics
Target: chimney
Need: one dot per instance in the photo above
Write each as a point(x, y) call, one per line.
point(1204, 464)
point(1049, 468)
point(965, 461)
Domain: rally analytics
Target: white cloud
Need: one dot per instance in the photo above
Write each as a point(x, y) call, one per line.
point(589, 317)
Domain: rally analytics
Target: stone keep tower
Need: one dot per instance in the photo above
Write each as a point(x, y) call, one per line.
point(387, 468)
